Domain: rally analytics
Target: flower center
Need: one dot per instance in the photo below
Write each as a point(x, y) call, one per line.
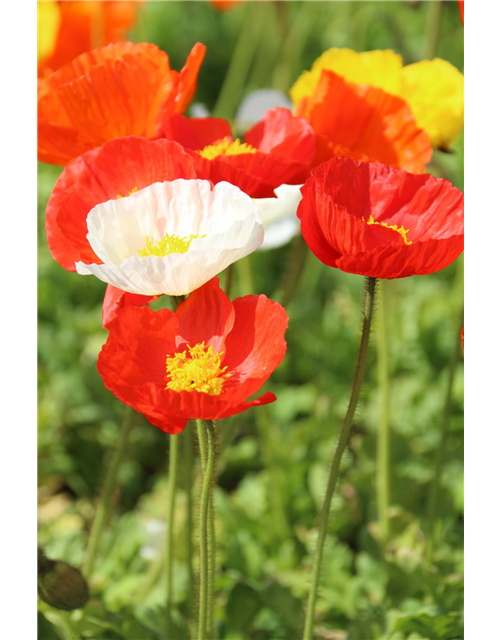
point(394, 227)
point(196, 369)
point(134, 190)
point(226, 148)
point(168, 244)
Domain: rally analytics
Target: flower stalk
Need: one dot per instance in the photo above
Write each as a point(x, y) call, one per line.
point(383, 434)
point(110, 478)
point(368, 306)
point(434, 492)
point(169, 560)
point(204, 602)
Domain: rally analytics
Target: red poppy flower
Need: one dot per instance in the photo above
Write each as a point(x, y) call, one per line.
point(277, 150)
point(203, 361)
point(364, 123)
point(81, 23)
point(119, 167)
point(462, 336)
point(119, 90)
point(224, 5)
point(376, 221)
point(115, 300)
point(462, 8)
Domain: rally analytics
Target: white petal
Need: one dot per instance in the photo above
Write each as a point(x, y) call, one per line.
point(279, 215)
point(226, 220)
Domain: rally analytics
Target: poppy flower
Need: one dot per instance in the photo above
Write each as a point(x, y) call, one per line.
point(279, 216)
point(202, 361)
point(119, 90)
point(171, 237)
point(462, 8)
point(364, 123)
point(77, 27)
point(115, 300)
point(277, 150)
point(49, 23)
point(120, 167)
point(224, 5)
point(380, 222)
point(433, 89)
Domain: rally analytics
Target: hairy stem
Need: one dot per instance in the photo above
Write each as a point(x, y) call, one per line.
point(368, 303)
point(169, 559)
point(383, 434)
point(204, 533)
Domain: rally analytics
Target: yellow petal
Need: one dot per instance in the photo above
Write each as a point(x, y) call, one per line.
point(49, 21)
point(434, 89)
point(380, 69)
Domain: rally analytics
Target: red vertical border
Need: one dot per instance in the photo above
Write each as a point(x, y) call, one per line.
point(482, 318)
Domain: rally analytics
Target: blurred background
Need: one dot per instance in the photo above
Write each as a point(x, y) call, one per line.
point(273, 462)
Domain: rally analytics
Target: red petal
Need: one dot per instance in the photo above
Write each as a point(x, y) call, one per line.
point(279, 132)
point(115, 300)
point(256, 345)
point(194, 133)
point(206, 316)
point(97, 177)
point(342, 192)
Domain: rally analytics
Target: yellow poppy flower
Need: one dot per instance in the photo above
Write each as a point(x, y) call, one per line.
point(434, 89)
point(49, 21)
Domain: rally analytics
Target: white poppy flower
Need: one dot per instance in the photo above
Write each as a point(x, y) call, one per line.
point(279, 216)
point(171, 237)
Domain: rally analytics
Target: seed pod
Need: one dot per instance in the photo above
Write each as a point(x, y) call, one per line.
point(60, 585)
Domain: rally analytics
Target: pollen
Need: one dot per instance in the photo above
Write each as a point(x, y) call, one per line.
point(394, 227)
point(226, 148)
point(129, 193)
point(167, 245)
point(196, 369)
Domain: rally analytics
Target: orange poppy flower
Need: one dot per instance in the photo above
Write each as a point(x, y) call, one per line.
point(119, 90)
point(85, 25)
point(364, 123)
point(224, 5)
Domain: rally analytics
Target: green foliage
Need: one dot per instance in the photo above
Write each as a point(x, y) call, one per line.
point(273, 461)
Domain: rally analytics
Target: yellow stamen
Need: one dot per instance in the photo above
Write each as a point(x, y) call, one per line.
point(129, 193)
point(167, 245)
point(394, 227)
point(226, 148)
point(196, 369)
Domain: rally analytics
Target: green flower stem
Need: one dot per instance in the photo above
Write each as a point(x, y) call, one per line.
point(368, 303)
point(108, 488)
point(202, 439)
point(245, 277)
point(439, 456)
point(169, 560)
point(228, 280)
point(188, 454)
point(294, 43)
point(383, 434)
point(204, 533)
point(296, 266)
point(241, 60)
point(434, 9)
point(274, 479)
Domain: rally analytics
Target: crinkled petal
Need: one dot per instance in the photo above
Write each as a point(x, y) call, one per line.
point(97, 177)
